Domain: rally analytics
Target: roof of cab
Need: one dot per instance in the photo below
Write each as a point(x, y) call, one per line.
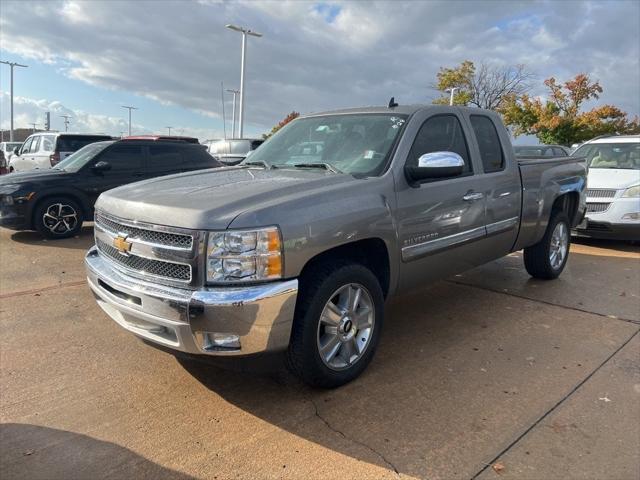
point(616, 139)
point(400, 109)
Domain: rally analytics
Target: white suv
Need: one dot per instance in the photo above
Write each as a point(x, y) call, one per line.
point(613, 193)
point(44, 150)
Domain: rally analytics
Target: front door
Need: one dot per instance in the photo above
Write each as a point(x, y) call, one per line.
point(440, 220)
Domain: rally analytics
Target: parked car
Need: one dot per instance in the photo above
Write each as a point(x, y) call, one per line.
point(7, 149)
point(3, 164)
point(55, 202)
point(45, 149)
point(613, 196)
point(233, 151)
point(541, 151)
point(284, 252)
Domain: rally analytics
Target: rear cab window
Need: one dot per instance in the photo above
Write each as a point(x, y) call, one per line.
point(488, 143)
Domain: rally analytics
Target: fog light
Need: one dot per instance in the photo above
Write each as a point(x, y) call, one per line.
point(212, 341)
point(631, 216)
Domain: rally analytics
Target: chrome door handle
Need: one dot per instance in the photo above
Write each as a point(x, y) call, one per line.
point(473, 196)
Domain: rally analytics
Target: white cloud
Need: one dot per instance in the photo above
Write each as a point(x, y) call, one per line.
point(178, 52)
point(29, 111)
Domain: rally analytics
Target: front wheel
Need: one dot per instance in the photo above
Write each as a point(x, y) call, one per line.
point(337, 326)
point(547, 259)
point(58, 217)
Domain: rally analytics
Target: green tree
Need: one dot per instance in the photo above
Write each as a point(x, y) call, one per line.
point(559, 118)
point(484, 86)
point(292, 116)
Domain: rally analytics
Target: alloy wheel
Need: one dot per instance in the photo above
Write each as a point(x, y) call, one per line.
point(60, 218)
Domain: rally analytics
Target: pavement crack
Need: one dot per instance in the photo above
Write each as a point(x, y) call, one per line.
point(357, 442)
point(553, 408)
point(511, 294)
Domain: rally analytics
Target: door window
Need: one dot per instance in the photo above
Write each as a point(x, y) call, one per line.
point(123, 157)
point(35, 144)
point(165, 158)
point(442, 133)
point(26, 146)
point(47, 143)
point(488, 142)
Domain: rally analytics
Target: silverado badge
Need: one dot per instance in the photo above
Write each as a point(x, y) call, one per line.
point(122, 245)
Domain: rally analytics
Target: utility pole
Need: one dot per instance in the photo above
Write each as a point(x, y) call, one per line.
point(34, 127)
point(169, 130)
point(66, 121)
point(224, 117)
point(233, 115)
point(129, 107)
point(12, 65)
point(245, 32)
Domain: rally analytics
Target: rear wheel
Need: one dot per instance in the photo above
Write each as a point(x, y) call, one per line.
point(337, 325)
point(547, 258)
point(58, 217)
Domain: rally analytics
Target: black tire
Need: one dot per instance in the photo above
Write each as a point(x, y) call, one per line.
point(537, 259)
point(317, 287)
point(63, 210)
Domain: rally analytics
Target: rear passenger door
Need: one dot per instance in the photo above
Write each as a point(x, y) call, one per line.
point(126, 166)
point(439, 221)
point(164, 160)
point(498, 180)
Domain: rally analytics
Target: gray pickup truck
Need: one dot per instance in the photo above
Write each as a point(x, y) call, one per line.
point(297, 248)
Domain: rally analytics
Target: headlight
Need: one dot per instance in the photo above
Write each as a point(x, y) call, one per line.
point(632, 191)
point(244, 255)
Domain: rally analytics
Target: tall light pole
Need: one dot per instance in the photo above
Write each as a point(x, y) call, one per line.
point(233, 115)
point(34, 125)
point(12, 65)
point(245, 32)
point(129, 107)
point(169, 128)
point(453, 91)
point(66, 121)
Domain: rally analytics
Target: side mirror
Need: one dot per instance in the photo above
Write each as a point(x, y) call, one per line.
point(435, 165)
point(101, 166)
point(16, 151)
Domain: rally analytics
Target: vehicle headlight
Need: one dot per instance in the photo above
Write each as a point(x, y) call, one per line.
point(632, 191)
point(244, 255)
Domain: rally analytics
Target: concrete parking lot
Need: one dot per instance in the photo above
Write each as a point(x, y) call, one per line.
point(489, 374)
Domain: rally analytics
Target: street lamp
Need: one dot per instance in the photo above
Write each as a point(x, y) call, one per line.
point(233, 115)
point(169, 130)
point(453, 91)
point(245, 32)
point(12, 65)
point(129, 107)
point(66, 121)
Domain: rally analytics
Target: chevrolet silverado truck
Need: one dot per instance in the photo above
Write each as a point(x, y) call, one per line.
point(297, 248)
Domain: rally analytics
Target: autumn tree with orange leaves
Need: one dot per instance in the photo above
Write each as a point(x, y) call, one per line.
point(292, 116)
point(559, 119)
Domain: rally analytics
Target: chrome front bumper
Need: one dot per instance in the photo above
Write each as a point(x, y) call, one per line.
point(261, 316)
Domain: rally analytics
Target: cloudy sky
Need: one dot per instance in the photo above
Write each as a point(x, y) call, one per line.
point(87, 58)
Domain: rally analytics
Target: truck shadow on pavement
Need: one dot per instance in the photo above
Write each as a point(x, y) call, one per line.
point(457, 375)
point(82, 241)
point(34, 452)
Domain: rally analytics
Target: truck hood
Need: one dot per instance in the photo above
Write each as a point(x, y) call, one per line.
point(615, 178)
point(211, 199)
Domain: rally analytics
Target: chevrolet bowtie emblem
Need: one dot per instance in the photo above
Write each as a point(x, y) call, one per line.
point(122, 245)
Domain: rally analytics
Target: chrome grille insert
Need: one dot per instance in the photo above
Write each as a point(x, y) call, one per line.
point(150, 236)
point(600, 193)
point(597, 207)
point(146, 266)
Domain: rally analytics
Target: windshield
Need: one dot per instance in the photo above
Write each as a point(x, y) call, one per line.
point(79, 159)
point(11, 146)
point(350, 143)
point(611, 155)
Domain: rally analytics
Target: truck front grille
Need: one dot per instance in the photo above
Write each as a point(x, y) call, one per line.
point(146, 235)
point(146, 266)
point(600, 193)
point(597, 207)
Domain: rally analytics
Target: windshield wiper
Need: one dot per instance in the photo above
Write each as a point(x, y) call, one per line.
point(260, 163)
point(326, 166)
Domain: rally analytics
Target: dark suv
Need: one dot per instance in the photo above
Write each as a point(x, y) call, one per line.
point(55, 202)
